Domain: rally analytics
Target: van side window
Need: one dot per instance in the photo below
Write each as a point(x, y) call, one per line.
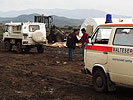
point(101, 36)
point(123, 36)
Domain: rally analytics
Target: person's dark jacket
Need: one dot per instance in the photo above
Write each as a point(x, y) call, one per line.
point(71, 40)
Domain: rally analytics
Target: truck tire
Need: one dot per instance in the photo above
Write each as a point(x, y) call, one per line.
point(40, 49)
point(19, 47)
point(7, 45)
point(51, 38)
point(99, 81)
point(59, 38)
point(27, 49)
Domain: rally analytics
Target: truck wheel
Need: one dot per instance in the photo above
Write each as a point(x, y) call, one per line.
point(40, 49)
point(99, 81)
point(27, 49)
point(19, 47)
point(59, 38)
point(7, 45)
point(51, 38)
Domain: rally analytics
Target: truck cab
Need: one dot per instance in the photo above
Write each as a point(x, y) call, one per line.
point(109, 56)
point(47, 20)
point(24, 36)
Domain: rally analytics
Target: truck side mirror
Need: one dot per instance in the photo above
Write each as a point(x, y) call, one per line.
point(92, 43)
point(89, 40)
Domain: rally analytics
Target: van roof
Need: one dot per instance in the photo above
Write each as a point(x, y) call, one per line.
point(115, 25)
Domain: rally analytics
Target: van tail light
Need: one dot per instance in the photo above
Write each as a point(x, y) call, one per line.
point(84, 63)
point(44, 42)
point(25, 42)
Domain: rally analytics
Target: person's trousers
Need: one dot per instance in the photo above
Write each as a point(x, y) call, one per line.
point(83, 47)
point(70, 53)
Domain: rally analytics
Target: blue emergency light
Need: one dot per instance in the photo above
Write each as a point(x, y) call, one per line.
point(108, 18)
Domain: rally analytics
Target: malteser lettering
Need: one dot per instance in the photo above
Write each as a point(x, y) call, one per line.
point(123, 50)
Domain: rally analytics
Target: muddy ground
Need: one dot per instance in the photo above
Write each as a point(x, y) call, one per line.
point(49, 76)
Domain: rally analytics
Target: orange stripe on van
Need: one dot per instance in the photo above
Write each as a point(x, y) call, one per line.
point(99, 48)
point(116, 25)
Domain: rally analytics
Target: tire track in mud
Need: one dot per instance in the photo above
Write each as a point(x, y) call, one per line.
point(30, 73)
point(53, 83)
point(57, 80)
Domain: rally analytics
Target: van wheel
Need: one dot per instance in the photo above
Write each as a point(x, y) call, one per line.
point(7, 45)
point(99, 81)
point(40, 49)
point(19, 47)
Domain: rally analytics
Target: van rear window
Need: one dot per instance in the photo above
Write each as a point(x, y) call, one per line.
point(33, 28)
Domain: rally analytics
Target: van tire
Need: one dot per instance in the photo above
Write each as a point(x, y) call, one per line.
point(19, 47)
point(7, 45)
point(99, 81)
point(40, 49)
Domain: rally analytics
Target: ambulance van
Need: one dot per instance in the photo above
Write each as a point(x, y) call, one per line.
point(108, 57)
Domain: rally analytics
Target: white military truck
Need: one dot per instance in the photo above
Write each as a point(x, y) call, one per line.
point(109, 56)
point(24, 36)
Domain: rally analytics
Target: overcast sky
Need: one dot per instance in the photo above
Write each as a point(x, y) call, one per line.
point(123, 7)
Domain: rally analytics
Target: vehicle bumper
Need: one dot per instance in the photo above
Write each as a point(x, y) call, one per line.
point(85, 71)
point(28, 43)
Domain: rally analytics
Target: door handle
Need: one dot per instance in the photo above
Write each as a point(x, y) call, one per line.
point(105, 52)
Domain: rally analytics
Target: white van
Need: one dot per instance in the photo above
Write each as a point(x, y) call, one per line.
point(109, 56)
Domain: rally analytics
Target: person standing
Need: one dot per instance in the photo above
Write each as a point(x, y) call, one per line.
point(71, 43)
point(84, 39)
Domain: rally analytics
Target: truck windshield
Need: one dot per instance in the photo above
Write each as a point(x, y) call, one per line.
point(6, 28)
